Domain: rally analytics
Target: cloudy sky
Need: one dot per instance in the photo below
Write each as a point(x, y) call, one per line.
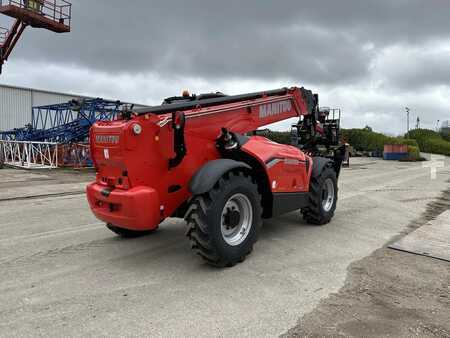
point(371, 58)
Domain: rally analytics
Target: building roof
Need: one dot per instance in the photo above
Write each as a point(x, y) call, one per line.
point(65, 94)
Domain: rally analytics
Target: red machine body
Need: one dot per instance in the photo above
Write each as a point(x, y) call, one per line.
point(136, 189)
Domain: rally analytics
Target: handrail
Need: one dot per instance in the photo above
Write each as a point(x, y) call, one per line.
point(57, 10)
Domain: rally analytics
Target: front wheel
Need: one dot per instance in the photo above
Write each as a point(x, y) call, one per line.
point(223, 224)
point(323, 195)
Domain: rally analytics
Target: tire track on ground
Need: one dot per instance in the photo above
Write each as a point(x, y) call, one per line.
point(46, 234)
point(57, 194)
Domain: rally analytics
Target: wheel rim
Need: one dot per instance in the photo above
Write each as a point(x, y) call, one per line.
point(327, 194)
point(236, 219)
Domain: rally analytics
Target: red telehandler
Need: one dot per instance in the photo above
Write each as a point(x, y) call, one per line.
point(201, 158)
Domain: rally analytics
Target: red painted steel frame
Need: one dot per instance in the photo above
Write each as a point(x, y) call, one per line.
point(54, 15)
point(133, 179)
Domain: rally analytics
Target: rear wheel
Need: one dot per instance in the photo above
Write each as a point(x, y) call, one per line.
point(223, 224)
point(322, 198)
point(127, 233)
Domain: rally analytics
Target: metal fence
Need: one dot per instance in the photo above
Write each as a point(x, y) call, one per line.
point(75, 155)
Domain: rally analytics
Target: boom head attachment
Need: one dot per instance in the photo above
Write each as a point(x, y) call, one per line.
point(318, 134)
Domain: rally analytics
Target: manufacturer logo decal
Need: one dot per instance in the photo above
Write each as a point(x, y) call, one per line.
point(112, 139)
point(276, 108)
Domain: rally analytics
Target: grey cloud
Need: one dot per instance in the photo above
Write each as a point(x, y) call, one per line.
point(312, 41)
point(406, 69)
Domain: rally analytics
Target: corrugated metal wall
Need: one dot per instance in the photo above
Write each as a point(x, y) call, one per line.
point(42, 98)
point(16, 104)
point(15, 107)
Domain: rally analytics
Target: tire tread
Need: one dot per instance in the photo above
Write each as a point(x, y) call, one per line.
point(198, 232)
point(313, 213)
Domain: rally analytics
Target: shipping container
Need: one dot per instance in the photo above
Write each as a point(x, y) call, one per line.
point(395, 152)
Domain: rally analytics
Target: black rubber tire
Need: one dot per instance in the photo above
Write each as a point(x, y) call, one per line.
point(314, 213)
point(127, 233)
point(204, 221)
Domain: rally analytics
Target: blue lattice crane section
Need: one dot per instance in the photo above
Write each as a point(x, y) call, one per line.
point(55, 115)
point(66, 122)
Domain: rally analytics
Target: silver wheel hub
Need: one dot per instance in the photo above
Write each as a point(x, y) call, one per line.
point(236, 219)
point(327, 194)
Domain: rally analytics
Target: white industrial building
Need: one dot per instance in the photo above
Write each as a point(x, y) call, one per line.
point(16, 104)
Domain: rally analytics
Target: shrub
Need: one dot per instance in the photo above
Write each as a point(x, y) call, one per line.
point(422, 134)
point(366, 140)
point(430, 142)
point(446, 137)
point(401, 140)
point(413, 152)
point(413, 155)
point(436, 146)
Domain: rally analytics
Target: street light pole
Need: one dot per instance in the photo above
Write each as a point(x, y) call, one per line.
point(407, 119)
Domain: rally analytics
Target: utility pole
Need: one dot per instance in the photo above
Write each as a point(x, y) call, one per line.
point(418, 123)
point(407, 119)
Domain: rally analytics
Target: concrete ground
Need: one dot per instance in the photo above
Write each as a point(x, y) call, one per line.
point(391, 293)
point(62, 273)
